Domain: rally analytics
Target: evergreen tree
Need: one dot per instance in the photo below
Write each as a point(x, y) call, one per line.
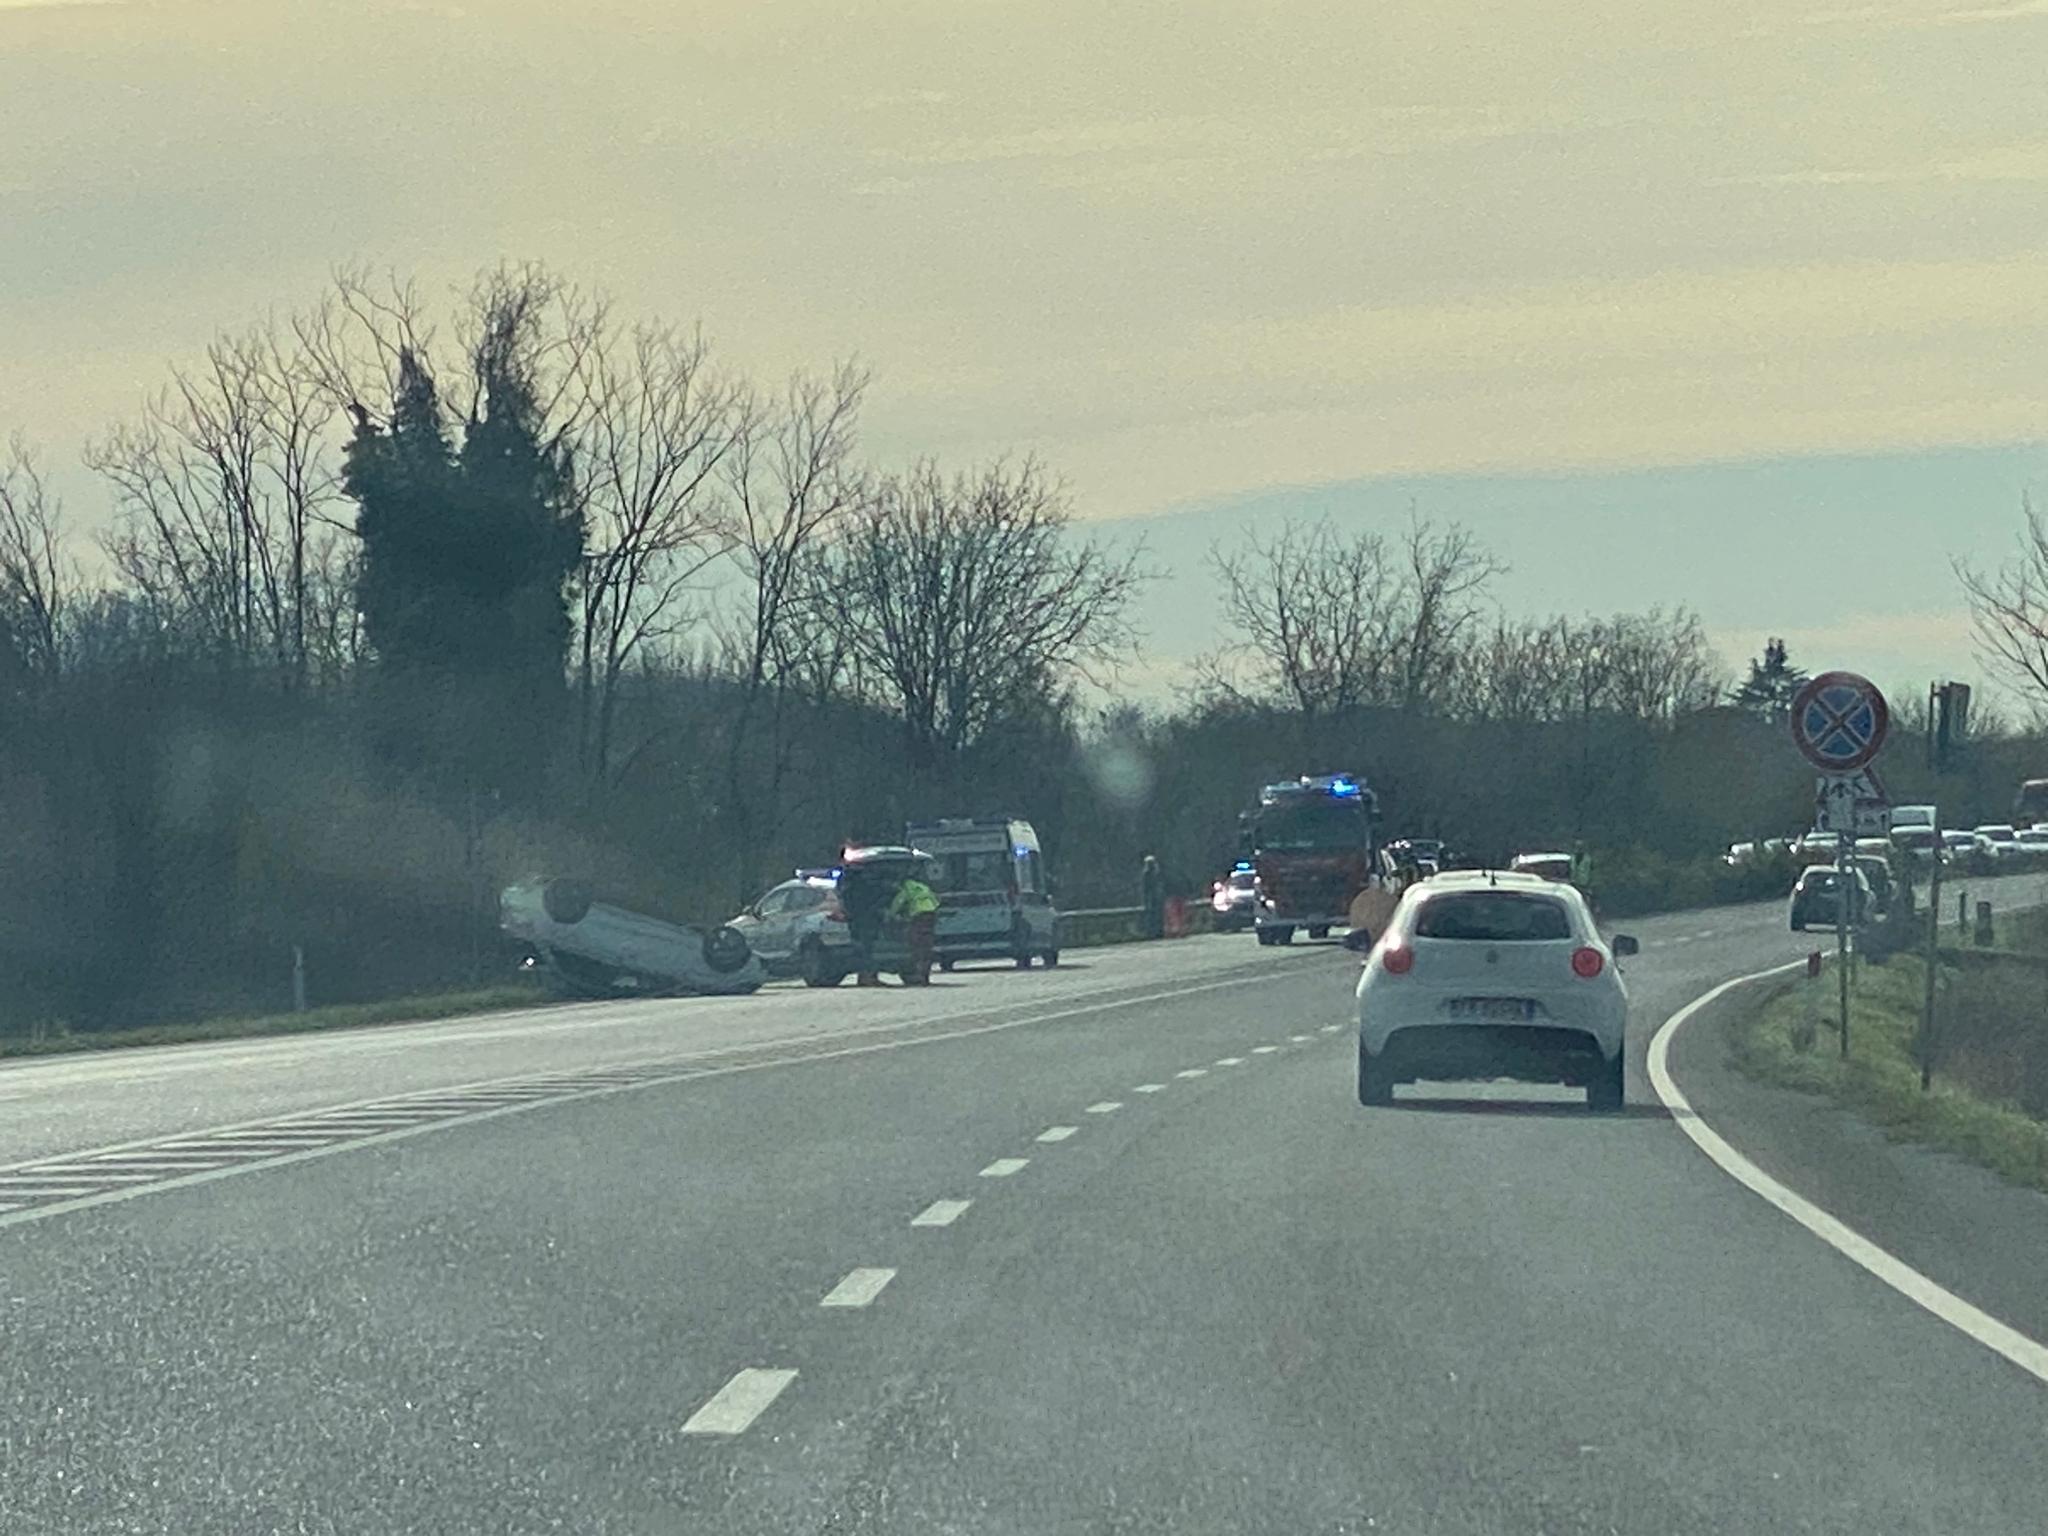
point(1772, 684)
point(467, 555)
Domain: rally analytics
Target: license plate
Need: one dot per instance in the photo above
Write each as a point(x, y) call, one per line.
point(1493, 1008)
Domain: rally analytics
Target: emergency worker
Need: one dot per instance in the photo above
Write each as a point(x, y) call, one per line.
point(917, 908)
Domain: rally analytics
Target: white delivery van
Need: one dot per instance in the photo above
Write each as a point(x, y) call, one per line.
point(994, 898)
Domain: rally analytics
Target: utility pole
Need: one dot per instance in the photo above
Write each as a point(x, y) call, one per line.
point(1845, 872)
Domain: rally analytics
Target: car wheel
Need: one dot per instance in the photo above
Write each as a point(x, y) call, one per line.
point(1052, 958)
point(725, 949)
point(945, 965)
point(816, 967)
point(1375, 1087)
point(1283, 935)
point(1265, 935)
point(1023, 962)
point(1321, 931)
point(1604, 1093)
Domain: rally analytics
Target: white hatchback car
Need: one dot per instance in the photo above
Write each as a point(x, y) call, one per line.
point(1482, 975)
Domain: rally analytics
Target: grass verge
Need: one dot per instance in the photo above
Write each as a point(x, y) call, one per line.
point(396, 1010)
point(1791, 1042)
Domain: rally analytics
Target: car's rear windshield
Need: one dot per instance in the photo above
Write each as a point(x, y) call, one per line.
point(1493, 917)
point(1923, 839)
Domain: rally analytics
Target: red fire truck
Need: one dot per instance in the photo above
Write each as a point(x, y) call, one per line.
point(1311, 843)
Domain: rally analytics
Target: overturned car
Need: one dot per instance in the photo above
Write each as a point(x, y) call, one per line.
point(586, 948)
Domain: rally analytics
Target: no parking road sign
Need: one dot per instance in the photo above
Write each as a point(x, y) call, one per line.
point(1839, 721)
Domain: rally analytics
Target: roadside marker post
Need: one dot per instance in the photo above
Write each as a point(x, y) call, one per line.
point(1839, 721)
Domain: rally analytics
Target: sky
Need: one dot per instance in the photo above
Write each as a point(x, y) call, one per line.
point(1724, 303)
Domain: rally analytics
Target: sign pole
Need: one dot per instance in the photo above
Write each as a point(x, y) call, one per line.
point(1933, 960)
point(1845, 868)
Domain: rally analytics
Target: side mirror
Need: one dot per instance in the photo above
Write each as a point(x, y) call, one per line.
point(1358, 940)
point(1625, 945)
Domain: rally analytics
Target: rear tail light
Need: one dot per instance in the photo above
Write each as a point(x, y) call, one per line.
point(1587, 962)
point(1397, 960)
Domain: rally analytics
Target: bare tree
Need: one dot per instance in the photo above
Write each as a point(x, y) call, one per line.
point(2009, 609)
point(968, 599)
point(653, 428)
point(1445, 571)
point(224, 490)
point(1328, 621)
point(789, 478)
point(1311, 611)
point(38, 578)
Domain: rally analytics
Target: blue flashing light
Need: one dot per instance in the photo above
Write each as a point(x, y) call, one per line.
point(1241, 864)
point(1343, 788)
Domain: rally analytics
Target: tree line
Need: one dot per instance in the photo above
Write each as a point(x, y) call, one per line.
point(398, 601)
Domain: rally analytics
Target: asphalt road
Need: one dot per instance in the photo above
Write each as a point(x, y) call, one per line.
point(578, 1285)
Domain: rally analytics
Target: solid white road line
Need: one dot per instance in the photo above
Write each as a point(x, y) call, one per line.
point(1105, 1107)
point(1264, 1050)
point(940, 1213)
point(1004, 1167)
point(860, 1287)
point(1150, 1088)
point(1193, 1072)
point(2028, 1354)
point(739, 1402)
point(1057, 1132)
point(35, 1191)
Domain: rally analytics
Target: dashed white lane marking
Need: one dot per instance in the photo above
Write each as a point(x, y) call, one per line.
point(2028, 1354)
point(1057, 1132)
point(940, 1213)
point(1150, 1088)
point(1710, 934)
point(1264, 1050)
point(1331, 1029)
point(860, 1287)
point(1003, 1167)
point(1301, 1039)
point(1683, 938)
point(1229, 1061)
point(739, 1402)
point(1193, 1072)
point(1105, 1107)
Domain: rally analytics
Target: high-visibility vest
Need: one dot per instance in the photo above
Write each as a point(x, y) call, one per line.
point(913, 899)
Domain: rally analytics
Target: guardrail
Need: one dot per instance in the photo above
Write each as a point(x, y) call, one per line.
point(1093, 927)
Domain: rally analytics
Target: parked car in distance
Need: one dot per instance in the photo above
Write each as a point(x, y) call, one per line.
point(1915, 816)
point(1739, 853)
point(1998, 841)
point(2033, 841)
point(1816, 847)
point(1918, 844)
point(798, 928)
point(1235, 900)
point(1549, 866)
point(1877, 870)
point(1817, 894)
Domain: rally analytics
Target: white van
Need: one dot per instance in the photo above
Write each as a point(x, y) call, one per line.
point(994, 898)
point(1913, 816)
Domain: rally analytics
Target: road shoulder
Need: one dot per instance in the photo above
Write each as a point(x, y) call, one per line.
point(1959, 1225)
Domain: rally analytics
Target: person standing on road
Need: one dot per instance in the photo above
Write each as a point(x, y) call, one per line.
point(917, 908)
point(1152, 898)
point(863, 898)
